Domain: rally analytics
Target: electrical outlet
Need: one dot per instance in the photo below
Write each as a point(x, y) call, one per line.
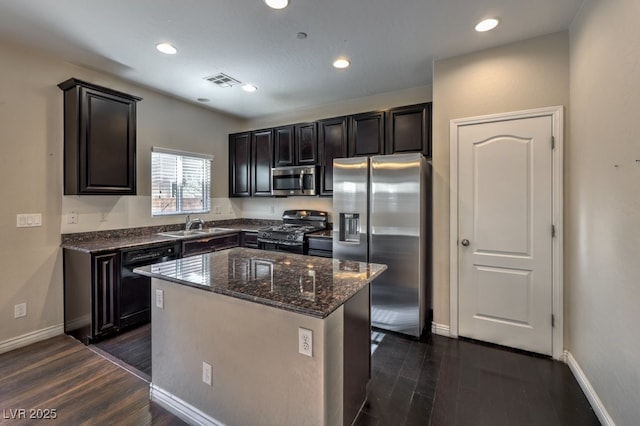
point(217, 210)
point(230, 209)
point(72, 217)
point(206, 373)
point(159, 298)
point(20, 310)
point(305, 341)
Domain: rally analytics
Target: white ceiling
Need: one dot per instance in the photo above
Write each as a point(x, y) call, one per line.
point(391, 43)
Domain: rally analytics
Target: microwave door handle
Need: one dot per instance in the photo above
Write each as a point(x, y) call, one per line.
point(302, 181)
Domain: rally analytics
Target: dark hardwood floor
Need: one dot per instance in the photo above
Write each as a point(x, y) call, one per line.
point(133, 348)
point(442, 381)
point(62, 378)
point(434, 381)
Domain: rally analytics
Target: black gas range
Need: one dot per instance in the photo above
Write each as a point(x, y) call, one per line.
point(290, 236)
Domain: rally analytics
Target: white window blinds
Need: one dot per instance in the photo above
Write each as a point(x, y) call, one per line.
point(180, 182)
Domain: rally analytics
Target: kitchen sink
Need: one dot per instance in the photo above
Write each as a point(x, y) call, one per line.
point(194, 232)
point(214, 230)
point(179, 234)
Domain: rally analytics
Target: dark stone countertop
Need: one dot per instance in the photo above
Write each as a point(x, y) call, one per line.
point(101, 241)
point(307, 285)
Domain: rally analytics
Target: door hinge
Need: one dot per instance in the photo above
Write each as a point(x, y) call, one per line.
point(553, 231)
point(553, 142)
point(553, 320)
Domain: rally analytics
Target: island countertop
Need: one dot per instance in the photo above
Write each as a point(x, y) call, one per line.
point(308, 285)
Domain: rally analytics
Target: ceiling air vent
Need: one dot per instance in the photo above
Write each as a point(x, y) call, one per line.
point(222, 80)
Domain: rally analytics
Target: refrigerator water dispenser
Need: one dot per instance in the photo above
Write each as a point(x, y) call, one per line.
point(350, 227)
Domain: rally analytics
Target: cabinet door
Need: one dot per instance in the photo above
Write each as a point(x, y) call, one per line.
point(239, 165)
point(283, 146)
point(409, 129)
point(105, 293)
point(262, 162)
point(99, 140)
point(306, 144)
point(366, 134)
point(332, 143)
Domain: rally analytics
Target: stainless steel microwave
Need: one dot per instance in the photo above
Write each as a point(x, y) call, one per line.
point(295, 180)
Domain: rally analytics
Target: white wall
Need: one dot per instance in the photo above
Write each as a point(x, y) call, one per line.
point(31, 122)
point(524, 75)
point(602, 205)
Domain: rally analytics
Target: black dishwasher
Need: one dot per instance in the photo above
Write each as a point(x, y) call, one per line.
point(134, 289)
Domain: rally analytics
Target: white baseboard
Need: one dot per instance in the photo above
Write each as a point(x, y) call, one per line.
point(29, 338)
point(588, 390)
point(440, 329)
point(180, 408)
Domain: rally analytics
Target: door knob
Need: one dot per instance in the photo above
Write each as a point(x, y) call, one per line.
point(465, 242)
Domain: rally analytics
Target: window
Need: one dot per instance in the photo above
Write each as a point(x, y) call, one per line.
point(180, 182)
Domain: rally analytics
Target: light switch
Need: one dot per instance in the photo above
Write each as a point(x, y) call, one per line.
point(28, 220)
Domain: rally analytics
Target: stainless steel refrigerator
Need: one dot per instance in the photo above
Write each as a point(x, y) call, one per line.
point(382, 214)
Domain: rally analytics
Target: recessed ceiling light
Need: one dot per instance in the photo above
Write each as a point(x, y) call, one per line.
point(341, 63)
point(486, 25)
point(166, 48)
point(277, 4)
point(249, 87)
point(203, 99)
point(301, 35)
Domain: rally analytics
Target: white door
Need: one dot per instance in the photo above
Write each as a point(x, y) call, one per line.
point(505, 213)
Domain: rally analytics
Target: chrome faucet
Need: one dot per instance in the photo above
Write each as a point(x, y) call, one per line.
point(189, 223)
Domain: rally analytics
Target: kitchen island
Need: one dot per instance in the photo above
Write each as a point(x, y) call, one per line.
point(242, 311)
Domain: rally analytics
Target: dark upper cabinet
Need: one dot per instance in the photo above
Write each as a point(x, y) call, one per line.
point(261, 162)
point(99, 140)
point(295, 145)
point(332, 143)
point(409, 129)
point(284, 146)
point(306, 143)
point(240, 164)
point(366, 134)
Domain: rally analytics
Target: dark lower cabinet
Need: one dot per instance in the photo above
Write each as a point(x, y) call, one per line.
point(249, 239)
point(366, 134)
point(105, 290)
point(320, 246)
point(332, 143)
point(409, 129)
point(191, 247)
point(99, 140)
point(90, 294)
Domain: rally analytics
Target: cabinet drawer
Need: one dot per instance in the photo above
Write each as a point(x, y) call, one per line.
point(249, 239)
point(209, 244)
point(320, 244)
